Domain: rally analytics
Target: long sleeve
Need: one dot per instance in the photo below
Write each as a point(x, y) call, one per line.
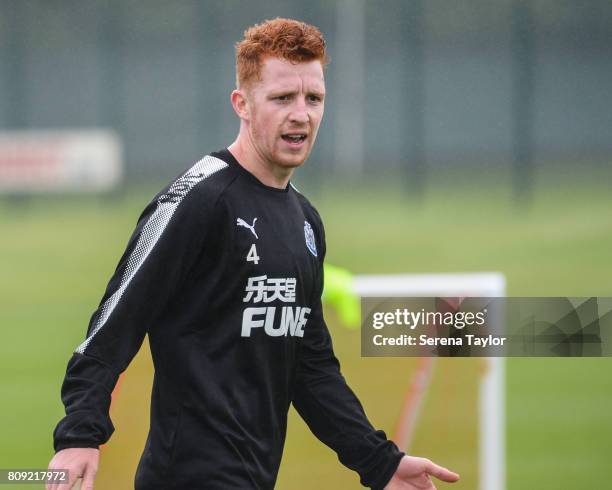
point(167, 240)
point(331, 409)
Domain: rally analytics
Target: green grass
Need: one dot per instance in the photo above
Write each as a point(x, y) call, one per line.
point(57, 254)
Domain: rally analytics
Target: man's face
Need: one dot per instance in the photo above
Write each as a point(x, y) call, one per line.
point(285, 110)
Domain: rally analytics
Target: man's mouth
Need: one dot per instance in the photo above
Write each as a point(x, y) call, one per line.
point(294, 138)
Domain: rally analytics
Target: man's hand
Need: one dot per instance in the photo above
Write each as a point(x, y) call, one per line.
point(81, 462)
point(413, 474)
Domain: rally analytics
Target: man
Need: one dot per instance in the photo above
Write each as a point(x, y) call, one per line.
point(225, 273)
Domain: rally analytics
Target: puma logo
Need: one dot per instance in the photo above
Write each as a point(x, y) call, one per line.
point(241, 222)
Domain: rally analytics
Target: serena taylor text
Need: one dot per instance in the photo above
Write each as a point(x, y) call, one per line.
point(426, 340)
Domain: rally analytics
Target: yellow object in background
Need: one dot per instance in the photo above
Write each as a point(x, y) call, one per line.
point(339, 293)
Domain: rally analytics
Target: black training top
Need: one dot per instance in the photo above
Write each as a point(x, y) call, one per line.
point(225, 275)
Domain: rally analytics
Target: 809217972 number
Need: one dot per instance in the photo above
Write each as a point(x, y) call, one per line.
point(47, 476)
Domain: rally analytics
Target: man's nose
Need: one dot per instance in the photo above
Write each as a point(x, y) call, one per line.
point(299, 114)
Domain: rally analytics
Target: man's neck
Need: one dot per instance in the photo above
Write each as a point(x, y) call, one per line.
point(267, 174)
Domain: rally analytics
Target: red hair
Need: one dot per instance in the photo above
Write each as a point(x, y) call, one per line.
point(279, 38)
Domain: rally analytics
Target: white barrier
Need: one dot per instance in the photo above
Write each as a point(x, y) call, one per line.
point(60, 161)
point(492, 401)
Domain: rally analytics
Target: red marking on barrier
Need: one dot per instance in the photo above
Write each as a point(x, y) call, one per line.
point(413, 402)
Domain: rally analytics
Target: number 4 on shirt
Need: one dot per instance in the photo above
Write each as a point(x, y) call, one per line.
point(252, 255)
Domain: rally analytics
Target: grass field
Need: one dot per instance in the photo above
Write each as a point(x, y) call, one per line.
point(57, 254)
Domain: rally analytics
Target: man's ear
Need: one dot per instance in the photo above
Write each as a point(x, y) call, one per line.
point(240, 104)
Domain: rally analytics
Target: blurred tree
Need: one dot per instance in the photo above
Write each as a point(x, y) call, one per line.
point(524, 85)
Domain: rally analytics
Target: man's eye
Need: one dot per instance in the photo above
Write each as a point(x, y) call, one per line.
point(282, 98)
point(314, 98)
